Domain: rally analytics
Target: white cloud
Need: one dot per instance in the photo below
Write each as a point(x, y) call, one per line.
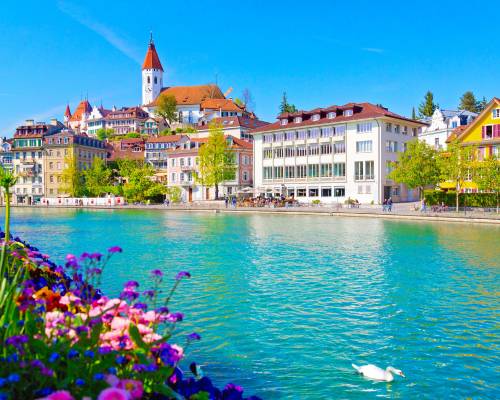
point(372, 49)
point(82, 17)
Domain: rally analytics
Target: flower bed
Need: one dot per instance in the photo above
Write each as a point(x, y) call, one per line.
point(64, 339)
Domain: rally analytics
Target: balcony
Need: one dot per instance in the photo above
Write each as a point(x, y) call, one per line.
point(187, 168)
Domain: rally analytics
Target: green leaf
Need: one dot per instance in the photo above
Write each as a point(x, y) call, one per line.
point(136, 337)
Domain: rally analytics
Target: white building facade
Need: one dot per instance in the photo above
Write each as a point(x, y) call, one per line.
point(441, 124)
point(333, 154)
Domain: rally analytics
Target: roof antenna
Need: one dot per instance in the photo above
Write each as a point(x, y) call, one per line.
point(151, 37)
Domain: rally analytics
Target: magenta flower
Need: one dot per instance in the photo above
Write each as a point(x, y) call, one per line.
point(182, 274)
point(17, 341)
point(131, 285)
point(59, 395)
point(113, 394)
point(175, 317)
point(115, 249)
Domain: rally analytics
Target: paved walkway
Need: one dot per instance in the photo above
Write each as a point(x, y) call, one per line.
point(399, 211)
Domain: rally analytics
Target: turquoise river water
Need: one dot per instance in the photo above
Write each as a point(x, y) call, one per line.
point(285, 304)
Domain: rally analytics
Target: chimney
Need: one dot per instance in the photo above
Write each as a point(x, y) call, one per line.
point(30, 122)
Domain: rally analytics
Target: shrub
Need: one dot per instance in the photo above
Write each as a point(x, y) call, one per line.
point(484, 200)
point(316, 202)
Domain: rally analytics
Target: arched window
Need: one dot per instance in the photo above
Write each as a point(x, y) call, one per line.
point(149, 79)
point(156, 80)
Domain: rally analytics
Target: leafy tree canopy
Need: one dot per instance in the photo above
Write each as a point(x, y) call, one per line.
point(286, 107)
point(427, 107)
point(166, 107)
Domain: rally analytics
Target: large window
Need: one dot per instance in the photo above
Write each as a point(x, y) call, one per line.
point(339, 191)
point(301, 151)
point(289, 151)
point(290, 135)
point(326, 170)
point(326, 192)
point(369, 170)
point(391, 146)
point(388, 127)
point(327, 132)
point(314, 133)
point(267, 138)
point(278, 172)
point(339, 147)
point(313, 170)
point(313, 192)
point(313, 150)
point(301, 135)
point(267, 172)
point(278, 152)
point(340, 130)
point(364, 127)
point(326, 148)
point(358, 170)
point(289, 172)
point(301, 171)
point(302, 192)
point(339, 170)
point(364, 146)
point(278, 137)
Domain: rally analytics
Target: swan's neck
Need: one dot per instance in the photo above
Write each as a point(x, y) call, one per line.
point(390, 370)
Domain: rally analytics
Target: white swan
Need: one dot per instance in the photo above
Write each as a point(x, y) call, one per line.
point(378, 374)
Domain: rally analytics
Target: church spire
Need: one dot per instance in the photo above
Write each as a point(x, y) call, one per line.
point(152, 61)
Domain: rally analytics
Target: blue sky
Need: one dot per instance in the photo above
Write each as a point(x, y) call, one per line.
point(319, 52)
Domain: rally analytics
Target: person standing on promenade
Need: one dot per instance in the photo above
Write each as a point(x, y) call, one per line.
point(423, 208)
point(384, 205)
point(226, 201)
point(389, 204)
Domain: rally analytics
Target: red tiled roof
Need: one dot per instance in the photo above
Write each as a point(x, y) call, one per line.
point(164, 139)
point(242, 143)
point(83, 107)
point(361, 111)
point(152, 61)
point(67, 113)
point(189, 95)
point(221, 104)
point(231, 122)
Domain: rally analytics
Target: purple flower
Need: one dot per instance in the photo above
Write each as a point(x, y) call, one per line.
point(17, 341)
point(105, 349)
point(156, 273)
point(131, 285)
point(183, 274)
point(162, 310)
point(129, 294)
point(175, 317)
point(96, 256)
point(149, 293)
point(115, 249)
point(70, 258)
point(193, 336)
point(95, 271)
point(140, 306)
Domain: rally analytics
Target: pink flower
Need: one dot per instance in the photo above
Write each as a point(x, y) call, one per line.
point(70, 298)
point(120, 324)
point(135, 388)
point(114, 394)
point(60, 395)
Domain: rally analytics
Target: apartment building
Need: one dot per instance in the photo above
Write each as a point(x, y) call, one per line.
point(27, 150)
point(332, 154)
point(156, 152)
point(61, 148)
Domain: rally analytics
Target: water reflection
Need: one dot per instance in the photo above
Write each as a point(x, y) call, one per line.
point(286, 303)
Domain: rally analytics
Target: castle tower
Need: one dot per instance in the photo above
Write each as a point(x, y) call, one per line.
point(152, 75)
point(67, 115)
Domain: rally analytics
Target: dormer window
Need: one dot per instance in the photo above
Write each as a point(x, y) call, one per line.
point(297, 120)
point(347, 113)
point(315, 117)
point(496, 113)
point(284, 121)
point(331, 115)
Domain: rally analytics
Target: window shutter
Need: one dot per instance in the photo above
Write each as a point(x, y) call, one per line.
point(483, 132)
point(496, 131)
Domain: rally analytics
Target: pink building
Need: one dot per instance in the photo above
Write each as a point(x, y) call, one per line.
point(183, 163)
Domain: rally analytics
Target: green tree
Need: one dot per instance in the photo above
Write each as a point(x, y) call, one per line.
point(166, 107)
point(103, 134)
point(216, 160)
point(98, 178)
point(427, 107)
point(72, 178)
point(174, 194)
point(417, 167)
point(456, 164)
point(285, 106)
point(166, 132)
point(139, 184)
point(481, 105)
point(487, 176)
point(133, 135)
point(413, 113)
point(468, 102)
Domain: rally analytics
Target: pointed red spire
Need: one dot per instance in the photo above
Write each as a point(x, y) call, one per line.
point(152, 61)
point(67, 113)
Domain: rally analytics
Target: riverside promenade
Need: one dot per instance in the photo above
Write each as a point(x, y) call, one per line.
point(401, 211)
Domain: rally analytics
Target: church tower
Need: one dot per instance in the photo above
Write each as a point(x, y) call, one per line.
point(152, 75)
